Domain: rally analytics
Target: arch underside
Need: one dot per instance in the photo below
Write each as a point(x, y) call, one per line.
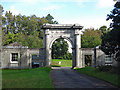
point(58, 37)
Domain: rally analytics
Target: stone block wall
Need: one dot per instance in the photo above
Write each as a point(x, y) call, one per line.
point(23, 58)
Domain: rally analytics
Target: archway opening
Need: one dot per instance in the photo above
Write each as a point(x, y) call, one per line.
point(61, 53)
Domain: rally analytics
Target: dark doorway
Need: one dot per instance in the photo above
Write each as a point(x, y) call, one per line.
point(88, 60)
point(35, 60)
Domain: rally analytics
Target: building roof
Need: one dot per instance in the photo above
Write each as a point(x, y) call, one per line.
point(15, 45)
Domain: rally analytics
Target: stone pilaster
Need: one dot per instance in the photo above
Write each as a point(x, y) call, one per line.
point(78, 57)
point(77, 46)
point(47, 49)
point(73, 58)
point(67, 31)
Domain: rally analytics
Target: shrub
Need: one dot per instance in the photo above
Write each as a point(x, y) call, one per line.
point(106, 68)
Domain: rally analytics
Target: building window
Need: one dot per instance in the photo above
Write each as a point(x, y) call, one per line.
point(14, 57)
point(108, 58)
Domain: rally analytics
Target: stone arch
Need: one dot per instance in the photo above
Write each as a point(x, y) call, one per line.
point(72, 33)
point(58, 38)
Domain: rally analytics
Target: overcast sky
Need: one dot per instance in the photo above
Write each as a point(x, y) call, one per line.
point(88, 13)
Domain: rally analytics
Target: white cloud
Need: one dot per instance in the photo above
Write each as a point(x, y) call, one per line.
point(105, 3)
point(13, 10)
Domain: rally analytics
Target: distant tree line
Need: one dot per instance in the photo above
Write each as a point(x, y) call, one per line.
point(24, 29)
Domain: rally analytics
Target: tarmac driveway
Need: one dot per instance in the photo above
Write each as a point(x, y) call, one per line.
point(65, 77)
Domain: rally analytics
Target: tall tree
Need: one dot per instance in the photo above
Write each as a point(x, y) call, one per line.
point(111, 41)
point(24, 29)
point(91, 38)
point(10, 38)
point(50, 19)
point(9, 22)
point(59, 49)
point(104, 30)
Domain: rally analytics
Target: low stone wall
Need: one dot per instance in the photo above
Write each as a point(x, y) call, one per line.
point(25, 57)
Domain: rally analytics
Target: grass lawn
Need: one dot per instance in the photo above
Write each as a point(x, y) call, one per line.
point(107, 76)
point(27, 78)
point(64, 63)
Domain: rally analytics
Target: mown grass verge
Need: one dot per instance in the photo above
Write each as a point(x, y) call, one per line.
point(107, 76)
point(64, 63)
point(27, 78)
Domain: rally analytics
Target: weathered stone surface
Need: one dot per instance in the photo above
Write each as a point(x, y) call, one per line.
point(23, 56)
point(100, 56)
point(62, 26)
point(67, 31)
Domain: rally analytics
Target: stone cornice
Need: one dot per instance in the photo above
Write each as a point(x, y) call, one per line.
point(62, 26)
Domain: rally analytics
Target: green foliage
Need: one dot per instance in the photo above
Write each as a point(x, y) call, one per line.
point(24, 29)
point(27, 78)
point(67, 56)
point(104, 30)
point(32, 41)
point(60, 49)
point(106, 68)
point(105, 35)
point(10, 38)
point(91, 38)
point(50, 19)
point(111, 40)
